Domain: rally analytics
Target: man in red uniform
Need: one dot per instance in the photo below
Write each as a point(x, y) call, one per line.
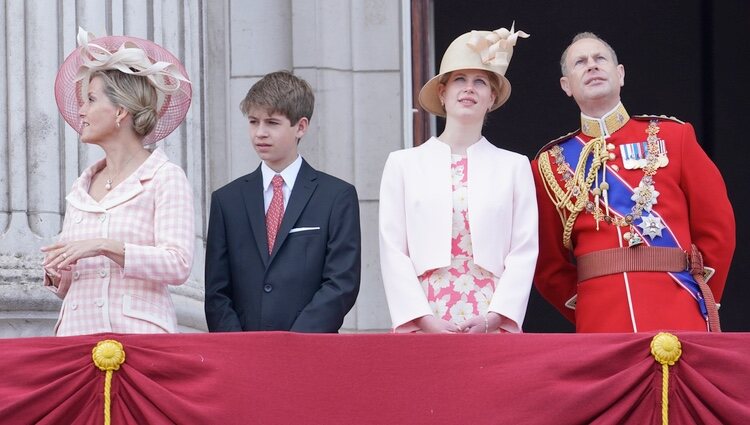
point(626, 207)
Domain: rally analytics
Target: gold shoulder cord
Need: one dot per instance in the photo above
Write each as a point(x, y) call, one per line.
point(578, 187)
point(551, 185)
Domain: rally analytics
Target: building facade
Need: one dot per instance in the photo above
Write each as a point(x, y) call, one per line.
point(351, 52)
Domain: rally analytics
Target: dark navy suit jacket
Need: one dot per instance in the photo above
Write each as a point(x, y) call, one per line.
point(310, 280)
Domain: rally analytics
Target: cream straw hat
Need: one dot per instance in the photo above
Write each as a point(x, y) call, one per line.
point(487, 50)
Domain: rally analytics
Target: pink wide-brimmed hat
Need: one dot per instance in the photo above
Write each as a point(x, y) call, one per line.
point(486, 50)
point(132, 56)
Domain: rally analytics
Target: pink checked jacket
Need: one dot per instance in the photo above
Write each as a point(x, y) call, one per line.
point(152, 212)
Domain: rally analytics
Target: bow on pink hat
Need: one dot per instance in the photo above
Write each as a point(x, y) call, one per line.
point(129, 55)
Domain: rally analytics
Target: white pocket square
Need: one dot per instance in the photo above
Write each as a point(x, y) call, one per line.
point(303, 229)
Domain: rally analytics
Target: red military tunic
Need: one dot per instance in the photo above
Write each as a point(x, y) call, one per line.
point(692, 201)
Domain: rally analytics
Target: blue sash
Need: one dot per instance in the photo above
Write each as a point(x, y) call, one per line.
point(619, 195)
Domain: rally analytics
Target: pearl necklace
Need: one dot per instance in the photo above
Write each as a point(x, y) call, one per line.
point(108, 183)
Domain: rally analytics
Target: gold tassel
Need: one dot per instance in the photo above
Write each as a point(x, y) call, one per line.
point(666, 349)
point(108, 355)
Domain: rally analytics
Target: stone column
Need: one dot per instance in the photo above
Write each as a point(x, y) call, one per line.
point(378, 130)
point(30, 197)
point(350, 52)
point(41, 155)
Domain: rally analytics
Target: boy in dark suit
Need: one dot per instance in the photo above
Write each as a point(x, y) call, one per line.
point(283, 247)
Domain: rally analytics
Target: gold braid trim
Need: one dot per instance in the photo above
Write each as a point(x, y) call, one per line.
point(550, 184)
point(579, 187)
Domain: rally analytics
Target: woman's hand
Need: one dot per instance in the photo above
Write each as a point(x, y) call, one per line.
point(482, 324)
point(431, 324)
point(62, 255)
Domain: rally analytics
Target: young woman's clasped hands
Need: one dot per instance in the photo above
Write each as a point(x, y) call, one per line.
point(476, 325)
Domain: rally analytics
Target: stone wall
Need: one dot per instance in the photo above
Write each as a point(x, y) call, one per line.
point(349, 50)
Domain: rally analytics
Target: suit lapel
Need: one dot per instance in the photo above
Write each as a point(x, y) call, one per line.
point(252, 192)
point(303, 189)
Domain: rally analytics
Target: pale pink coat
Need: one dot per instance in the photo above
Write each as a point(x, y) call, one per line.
point(152, 212)
point(416, 210)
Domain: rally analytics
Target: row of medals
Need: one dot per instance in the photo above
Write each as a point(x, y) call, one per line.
point(637, 156)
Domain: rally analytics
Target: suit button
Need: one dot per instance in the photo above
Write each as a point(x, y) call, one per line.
point(267, 287)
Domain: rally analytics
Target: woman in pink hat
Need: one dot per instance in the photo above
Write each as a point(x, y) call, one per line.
point(128, 228)
point(458, 216)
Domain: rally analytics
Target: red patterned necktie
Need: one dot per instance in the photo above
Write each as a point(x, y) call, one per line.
point(275, 211)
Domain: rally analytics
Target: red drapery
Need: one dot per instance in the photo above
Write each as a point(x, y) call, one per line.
point(284, 378)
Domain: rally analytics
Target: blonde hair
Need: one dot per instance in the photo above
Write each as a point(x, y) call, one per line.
point(134, 93)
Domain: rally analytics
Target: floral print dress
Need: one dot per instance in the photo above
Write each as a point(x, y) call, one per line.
point(461, 290)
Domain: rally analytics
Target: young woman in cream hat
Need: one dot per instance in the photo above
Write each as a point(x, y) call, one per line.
point(458, 216)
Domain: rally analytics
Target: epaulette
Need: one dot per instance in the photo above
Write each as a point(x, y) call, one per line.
point(656, 117)
point(556, 141)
